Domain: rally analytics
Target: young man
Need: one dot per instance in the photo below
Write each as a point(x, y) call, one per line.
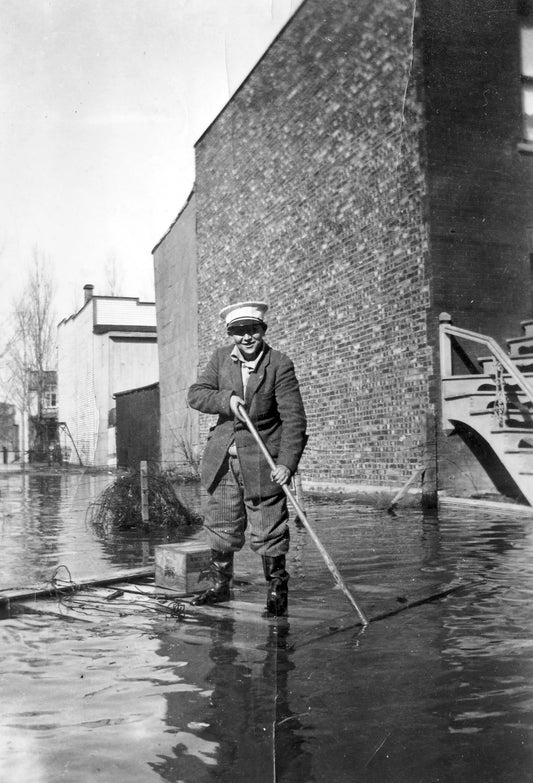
point(243, 491)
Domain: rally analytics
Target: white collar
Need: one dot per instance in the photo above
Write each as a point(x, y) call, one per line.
point(250, 364)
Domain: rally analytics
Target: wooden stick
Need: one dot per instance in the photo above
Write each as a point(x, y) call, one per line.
point(301, 514)
point(145, 513)
point(399, 495)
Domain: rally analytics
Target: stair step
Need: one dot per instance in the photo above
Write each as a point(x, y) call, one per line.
point(467, 395)
point(522, 361)
point(523, 336)
point(513, 430)
point(480, 377)
point(465, 386)
point(490, 358)
point(489, 395)
point(527, 327)
point(521, 348)
point(467, 376)
point(483, 360)
point(524, 340)
point(509, 413)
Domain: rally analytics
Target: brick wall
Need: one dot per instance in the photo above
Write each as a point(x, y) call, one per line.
point(175, 288)
point(311, 194)
point(365, 177)
point(480, 186)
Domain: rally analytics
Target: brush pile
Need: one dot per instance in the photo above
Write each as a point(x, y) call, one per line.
point(119, 505)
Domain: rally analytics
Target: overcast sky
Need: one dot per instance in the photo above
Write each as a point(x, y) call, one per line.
point(101, 103)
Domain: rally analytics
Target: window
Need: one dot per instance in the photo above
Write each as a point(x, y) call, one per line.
point(526, 49)
point(527, 82)
point(49, 399)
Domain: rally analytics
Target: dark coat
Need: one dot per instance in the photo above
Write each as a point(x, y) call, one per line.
point(274, 405)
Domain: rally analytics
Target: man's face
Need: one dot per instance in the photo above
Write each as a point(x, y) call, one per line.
point(248, 337)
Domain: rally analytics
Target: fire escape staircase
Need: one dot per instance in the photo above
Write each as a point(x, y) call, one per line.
point(491, 398)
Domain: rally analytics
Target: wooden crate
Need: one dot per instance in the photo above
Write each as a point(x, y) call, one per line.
point(181, 566)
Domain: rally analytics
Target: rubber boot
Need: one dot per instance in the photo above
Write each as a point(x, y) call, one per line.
point(220, 573)
point(277, 584)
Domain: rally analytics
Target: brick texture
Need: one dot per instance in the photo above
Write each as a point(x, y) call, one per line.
point(310, 194)
point(365, 177)
point(175, 290)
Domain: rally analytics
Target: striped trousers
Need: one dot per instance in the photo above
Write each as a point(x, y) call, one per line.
point(228, 516)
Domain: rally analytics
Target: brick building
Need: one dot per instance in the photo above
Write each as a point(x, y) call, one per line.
point(369, 173)
point(177, 313)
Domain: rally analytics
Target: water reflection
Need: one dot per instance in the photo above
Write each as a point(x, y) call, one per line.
point(431, 539)
point(291, 757)
point(441, 692)
point(43, 526)
point(246, 726)
point(31, 525)
point(83, 701)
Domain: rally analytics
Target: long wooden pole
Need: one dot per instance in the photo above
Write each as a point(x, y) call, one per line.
point(301, 514)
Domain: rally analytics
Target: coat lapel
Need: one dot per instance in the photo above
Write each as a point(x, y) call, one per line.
point(236, 377)
point(256, 378)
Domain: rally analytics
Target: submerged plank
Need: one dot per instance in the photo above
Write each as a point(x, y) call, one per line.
point(253, 612)
point(21, 594)
point(310, 622)
point(350, 622)
point(93, 601)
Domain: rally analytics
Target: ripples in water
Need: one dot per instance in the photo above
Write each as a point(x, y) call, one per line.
point(438, 693)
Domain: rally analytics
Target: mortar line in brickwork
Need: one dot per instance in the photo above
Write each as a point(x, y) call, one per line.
point(410, 69)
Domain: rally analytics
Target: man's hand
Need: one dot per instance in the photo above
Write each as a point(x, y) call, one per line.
point(234, 403)
point(281, 475)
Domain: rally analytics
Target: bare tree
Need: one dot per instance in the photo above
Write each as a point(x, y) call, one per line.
point(113, 275)
point(31, 349)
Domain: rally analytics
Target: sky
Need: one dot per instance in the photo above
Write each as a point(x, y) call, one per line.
point(101, 104)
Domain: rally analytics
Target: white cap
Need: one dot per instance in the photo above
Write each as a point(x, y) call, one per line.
point(244, 311)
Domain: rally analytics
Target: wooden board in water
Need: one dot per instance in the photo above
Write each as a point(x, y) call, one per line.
point(21, 594)
point(310, 618)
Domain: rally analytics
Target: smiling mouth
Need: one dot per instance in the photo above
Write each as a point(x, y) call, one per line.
point(250, 348)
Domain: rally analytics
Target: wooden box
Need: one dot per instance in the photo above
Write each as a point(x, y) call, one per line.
point(182, 566)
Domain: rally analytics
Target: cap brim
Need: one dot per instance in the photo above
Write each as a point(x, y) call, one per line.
point(246, 320)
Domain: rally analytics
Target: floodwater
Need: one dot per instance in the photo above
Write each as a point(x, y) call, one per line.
point(440, 692)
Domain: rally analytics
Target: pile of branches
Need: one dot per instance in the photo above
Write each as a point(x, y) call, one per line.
point(119, 505)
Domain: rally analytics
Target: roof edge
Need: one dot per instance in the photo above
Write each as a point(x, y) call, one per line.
point(169, 229)
point(140, 302)
point(251, 72)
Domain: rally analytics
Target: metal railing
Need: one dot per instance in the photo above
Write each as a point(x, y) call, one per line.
point(503, 363)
